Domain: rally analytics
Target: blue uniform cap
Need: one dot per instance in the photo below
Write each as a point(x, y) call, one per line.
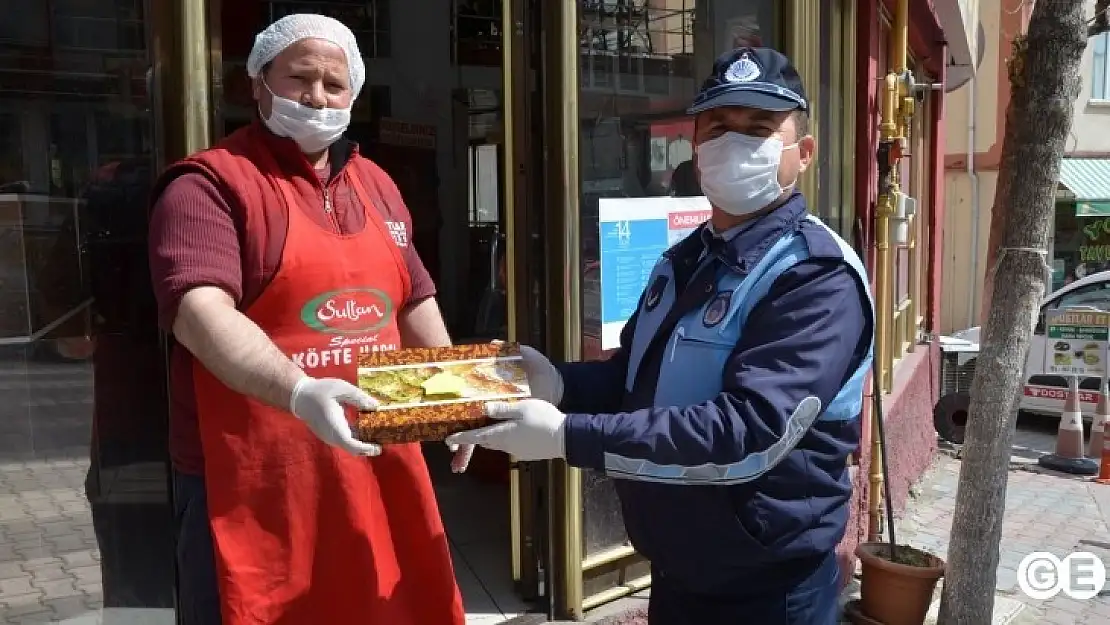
point(758, 78)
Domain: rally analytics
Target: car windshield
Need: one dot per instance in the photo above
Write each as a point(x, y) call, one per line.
point(1091, 296)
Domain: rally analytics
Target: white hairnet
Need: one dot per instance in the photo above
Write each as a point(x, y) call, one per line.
point(293, 28)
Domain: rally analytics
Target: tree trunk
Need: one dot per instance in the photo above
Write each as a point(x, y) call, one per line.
point(1044, 79)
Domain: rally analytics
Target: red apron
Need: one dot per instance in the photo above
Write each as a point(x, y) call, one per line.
point(305, 533)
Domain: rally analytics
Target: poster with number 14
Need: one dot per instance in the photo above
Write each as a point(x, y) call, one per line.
point(634, 233)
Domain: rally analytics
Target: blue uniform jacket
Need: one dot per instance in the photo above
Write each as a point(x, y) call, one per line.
point(806, 337)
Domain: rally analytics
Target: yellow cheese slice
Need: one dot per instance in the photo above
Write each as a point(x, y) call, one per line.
point(444, 385)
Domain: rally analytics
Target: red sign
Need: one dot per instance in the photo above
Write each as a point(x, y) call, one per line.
point(688, 220)
point(1051, 392)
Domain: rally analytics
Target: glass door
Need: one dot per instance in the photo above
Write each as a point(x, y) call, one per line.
point(622, 74)
point(83, 404)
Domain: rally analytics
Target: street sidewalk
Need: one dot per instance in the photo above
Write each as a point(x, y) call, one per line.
point(1045, 511)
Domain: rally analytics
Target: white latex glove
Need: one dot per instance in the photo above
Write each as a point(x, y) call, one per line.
point(319, 403)
point(531, 429)
point(543, 378)
point(461, 460)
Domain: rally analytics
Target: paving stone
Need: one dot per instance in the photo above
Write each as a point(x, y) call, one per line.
point(85, 574)
point(59, 588)
point(1044, 512)
point(70, 542)
point(78, 559)
point(14, 587)
point(1006, 580)
point(67, 607)
point(34, 619)
point(48, 573)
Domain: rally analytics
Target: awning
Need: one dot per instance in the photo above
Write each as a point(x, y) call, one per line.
point(1088, 179)
point(960, 21)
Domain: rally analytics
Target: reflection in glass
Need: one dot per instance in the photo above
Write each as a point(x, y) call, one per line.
point(640, 64)
point(83, 492)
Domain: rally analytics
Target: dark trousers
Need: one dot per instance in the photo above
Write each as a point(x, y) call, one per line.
point(812, 601)
point(198, 594)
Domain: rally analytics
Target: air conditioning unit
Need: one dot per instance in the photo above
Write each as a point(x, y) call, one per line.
point(957, 369)
point(959, 354)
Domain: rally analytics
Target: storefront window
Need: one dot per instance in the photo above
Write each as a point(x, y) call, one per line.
point(82, 389)
point(641, 63)
point(1080, 247)
point(832, 120)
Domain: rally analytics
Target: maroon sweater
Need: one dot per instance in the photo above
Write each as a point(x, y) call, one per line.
point(195, 240)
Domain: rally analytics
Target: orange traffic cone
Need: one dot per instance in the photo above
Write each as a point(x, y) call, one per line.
point(1098, 422)
point(1104, 462)
point(1069, 440)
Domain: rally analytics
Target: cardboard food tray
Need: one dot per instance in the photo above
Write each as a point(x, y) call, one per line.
point(399, 380)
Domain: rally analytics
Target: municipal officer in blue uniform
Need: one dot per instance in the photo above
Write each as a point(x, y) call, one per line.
point(730, 409)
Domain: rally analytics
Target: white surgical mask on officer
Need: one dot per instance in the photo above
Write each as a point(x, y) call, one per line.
point(313, 129)
point(740, 173)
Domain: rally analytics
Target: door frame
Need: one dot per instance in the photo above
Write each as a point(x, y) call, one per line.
point(527, 480)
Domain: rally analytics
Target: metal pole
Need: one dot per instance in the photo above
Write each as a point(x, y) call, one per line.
point(195, 74)
point(891, 135)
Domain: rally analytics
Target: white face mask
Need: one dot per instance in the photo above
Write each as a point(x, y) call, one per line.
point(314, 130)
point(740, 173)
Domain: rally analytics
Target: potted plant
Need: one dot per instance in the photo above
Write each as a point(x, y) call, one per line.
point(896, 588)
point(897, 581)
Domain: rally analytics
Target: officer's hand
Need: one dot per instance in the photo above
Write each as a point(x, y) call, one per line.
point(319, 403)
point(544, 379)
point(531, 429)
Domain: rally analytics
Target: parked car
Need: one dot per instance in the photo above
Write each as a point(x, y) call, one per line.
point(1043, 394)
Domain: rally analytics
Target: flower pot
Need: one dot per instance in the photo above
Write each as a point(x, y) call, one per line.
point(897, 593)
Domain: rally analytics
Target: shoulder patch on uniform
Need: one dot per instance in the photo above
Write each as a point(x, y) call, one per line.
point(716, 310)
point(655, 293)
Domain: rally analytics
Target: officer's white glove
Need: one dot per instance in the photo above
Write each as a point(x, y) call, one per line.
point(319, 403)
point(531, 429)
point(544, 379)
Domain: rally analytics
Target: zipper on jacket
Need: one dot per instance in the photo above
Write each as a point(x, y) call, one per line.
point(680, 337)
point(679, 334)
point(330, 212)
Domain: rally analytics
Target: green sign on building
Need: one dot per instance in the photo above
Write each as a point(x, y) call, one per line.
point(1092, 209)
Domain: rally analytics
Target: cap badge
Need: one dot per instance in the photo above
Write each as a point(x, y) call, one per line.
point(742, 70)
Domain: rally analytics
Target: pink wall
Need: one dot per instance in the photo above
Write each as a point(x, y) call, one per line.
point(908, 409)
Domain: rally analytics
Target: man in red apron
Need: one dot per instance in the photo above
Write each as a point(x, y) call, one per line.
point(278, 257)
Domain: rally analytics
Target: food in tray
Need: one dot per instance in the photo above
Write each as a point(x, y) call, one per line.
point(436, 383)
point(427, 394)
point(1061, 359)
point(444, 385)
point(1062, 346)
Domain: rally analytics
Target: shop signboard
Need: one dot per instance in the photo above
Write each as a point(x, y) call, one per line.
point(1077, 342)
point(633, 234)
point(1092, 209)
